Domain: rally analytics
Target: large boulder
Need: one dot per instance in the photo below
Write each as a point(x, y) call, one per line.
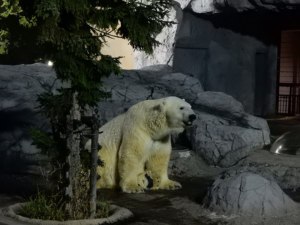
point(285, 169)
point(186, 164)
point(245, 5)
point(224, 133)
point(250, 195)
point(133, 86)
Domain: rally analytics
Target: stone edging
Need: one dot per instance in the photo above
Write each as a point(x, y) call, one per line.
point(118, 213)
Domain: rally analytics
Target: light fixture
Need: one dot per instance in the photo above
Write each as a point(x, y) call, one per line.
point(50, 63)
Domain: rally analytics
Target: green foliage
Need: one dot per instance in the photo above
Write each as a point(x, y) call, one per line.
point(103, 209)
point(140, 24)
point(56, 107)
point(43, 140)
point(3, 41)
point(44, 207)
point(11, 14)
point(10, 8)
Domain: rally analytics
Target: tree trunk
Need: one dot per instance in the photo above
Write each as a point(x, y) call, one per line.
point(73, 159)
point(94, 165)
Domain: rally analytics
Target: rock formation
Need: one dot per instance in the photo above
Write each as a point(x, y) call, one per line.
point(249, 195)
point(223, 133)
point(163, 54)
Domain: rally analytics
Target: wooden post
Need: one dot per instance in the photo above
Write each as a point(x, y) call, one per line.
point(73, 159)
point(94, 164)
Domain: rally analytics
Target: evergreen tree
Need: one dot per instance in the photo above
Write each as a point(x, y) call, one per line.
point(71, 33)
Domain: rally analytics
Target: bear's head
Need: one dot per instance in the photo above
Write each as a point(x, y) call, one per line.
point(179, 113)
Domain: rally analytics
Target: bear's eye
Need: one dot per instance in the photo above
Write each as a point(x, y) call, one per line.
point(181, 108)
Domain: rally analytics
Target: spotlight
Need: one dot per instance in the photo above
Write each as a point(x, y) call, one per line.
point(50, 63)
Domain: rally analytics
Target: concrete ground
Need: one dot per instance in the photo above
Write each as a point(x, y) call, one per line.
point(179, 207)
point(150, 208)
point(165, 207)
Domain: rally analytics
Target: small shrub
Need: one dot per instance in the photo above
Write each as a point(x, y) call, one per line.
point(43, 207)
point(103, 209)
point(50, 208)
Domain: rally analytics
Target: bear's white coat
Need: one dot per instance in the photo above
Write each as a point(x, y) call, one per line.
point(138, 142)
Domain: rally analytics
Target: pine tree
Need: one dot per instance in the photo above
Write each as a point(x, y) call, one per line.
point(71, 33)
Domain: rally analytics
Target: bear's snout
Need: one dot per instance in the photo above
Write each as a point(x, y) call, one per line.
point(192, 117)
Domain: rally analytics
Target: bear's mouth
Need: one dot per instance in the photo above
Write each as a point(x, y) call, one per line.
point(187, 123)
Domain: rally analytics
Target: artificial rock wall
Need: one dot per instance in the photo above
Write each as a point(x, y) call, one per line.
point(230, 46)
point(225, 59)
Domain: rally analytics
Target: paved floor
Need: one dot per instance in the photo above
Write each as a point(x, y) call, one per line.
point(180, 207)
point(177, 207)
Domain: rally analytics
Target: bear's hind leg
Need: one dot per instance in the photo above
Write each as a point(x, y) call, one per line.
point(107, 172)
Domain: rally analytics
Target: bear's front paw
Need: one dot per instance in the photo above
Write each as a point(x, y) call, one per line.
point(132, 188)
point(170, 185)
point(144, 180)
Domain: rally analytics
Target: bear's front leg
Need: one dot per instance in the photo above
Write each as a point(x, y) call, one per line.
point(137, 184)
point(131, 167)
point(158, 166)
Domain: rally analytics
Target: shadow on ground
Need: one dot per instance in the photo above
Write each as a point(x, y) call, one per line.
point(159, 207)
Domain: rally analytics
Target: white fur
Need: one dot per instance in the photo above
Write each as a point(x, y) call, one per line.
point(138, 142)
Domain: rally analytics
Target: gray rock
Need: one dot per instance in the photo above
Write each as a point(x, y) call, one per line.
point(226, 60)
point(163, 54)
point(136, 85)
point(28, 81)
point(185, 163)
point(219, 102)
point(224, 133)
point(158, 67)
point(20, 86)
point(250, 195)
point(244, 5)
point(285, 169)
point(182, 85)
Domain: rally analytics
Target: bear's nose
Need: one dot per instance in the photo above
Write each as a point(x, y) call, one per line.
point(192, 117)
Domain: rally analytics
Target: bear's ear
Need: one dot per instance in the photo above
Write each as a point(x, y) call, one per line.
point(157, 108)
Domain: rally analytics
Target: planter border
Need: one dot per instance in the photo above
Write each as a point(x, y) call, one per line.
point(118, 214)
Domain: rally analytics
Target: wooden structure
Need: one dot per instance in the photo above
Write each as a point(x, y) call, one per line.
point(288, 99)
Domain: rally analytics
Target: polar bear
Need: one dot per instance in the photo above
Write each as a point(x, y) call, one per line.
point(137, 144)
